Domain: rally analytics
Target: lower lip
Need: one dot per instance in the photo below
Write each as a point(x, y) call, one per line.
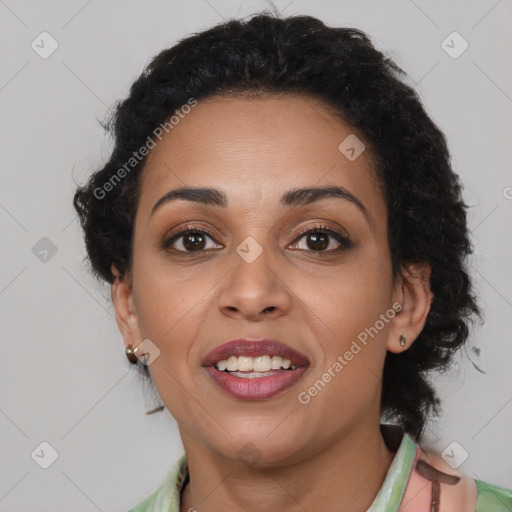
point(257, 388)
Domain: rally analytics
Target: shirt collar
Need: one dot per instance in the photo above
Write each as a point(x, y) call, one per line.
point(167, 496)
point(392, 490)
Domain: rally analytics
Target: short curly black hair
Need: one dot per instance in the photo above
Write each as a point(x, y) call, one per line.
point(340, 66)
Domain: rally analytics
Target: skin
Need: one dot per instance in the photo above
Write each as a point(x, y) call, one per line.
point(328, 454)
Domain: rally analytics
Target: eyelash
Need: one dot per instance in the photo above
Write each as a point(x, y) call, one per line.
point(344, 241)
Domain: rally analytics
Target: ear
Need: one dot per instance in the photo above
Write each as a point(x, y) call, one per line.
point(124, 305)
point(413, 292)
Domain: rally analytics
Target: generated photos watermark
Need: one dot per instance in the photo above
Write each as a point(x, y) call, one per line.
point(143, 151)
point(304, 397)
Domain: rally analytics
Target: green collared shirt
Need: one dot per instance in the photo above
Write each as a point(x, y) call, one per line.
point(491, 498)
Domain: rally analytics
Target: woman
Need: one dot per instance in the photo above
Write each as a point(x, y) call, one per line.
point(286, 242)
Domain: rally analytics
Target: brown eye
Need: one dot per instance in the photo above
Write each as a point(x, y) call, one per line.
point(321, 239)
point(194, 241)
point(317, 241)
point(189, 240)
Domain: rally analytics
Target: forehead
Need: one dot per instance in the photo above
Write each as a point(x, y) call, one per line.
point(256, 149)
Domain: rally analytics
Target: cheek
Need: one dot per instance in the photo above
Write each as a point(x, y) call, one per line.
point(167, 305)
point(354, 294)
point(170, 314)
point(347, 309)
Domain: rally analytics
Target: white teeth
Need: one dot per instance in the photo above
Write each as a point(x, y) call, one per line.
point(275, 364)
point(245, 364)
point(251, 375)
point(261, 364)
point(232, 364)
point(256, 365)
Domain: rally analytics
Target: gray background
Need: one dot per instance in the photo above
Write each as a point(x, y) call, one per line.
point(65, 379)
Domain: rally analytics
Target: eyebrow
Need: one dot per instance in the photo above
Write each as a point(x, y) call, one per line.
point(294, 197)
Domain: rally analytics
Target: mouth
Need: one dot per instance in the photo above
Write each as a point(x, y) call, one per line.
point(255, 369)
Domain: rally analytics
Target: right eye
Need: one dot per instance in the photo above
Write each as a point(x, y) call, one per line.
point(190, 240)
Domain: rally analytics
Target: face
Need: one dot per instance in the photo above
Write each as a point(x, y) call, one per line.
point(264, 264)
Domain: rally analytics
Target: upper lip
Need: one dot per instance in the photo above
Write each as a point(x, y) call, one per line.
point(255, 348)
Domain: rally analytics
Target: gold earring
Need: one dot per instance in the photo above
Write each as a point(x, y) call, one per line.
point(402, 340)
point(130, 354)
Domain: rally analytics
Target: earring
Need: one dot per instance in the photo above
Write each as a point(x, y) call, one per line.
point(130, 354)
point(402, 340)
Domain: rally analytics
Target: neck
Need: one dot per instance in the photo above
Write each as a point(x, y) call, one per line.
point(345, 476)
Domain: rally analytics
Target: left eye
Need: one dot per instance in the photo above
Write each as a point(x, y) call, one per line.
point(320, 240)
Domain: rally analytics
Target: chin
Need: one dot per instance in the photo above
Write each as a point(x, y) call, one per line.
point(262, 450)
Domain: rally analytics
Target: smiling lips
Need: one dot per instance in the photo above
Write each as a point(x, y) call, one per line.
point(255, 370)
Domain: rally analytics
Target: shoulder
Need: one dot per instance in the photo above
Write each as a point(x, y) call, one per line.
point(493, 498)
point(436, 485)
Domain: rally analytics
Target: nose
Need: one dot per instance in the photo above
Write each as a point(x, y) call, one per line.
point(254, 289)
